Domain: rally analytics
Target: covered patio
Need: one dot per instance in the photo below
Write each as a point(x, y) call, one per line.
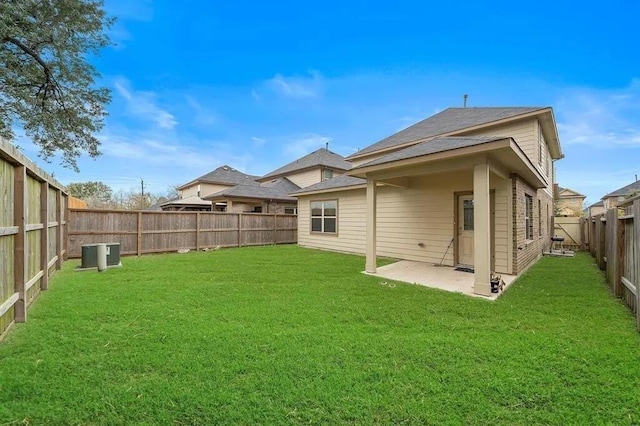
point(489, 162)
point(436, 276)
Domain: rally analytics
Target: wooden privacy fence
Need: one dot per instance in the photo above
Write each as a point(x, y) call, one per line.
point(615, 237)
point(141, 232)
point(32, 227)
point(569, 228)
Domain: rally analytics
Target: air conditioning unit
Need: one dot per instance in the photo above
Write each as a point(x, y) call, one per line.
point(90, 255)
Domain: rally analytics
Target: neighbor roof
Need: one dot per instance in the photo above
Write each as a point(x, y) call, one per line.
point(276, 190)
point(625, 190)
point(193, 200)
point(321, 157)
point(225, 175)
point(335, 183)
point(449, 120)
point(571, 194)
point(431, 147)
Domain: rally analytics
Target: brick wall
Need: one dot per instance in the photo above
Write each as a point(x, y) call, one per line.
point(277, 207)
point(527, 251)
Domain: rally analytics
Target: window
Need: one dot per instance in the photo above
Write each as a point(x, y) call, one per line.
point(324, 216)
point(327, 174)
point(528, 217)
point(539, 218)
point(257, 209)
point(290, 210)
point(467, 207)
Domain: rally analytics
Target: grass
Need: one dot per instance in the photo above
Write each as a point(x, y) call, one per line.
point(285, 335)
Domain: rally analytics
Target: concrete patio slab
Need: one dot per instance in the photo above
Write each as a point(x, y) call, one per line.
point(441, 277)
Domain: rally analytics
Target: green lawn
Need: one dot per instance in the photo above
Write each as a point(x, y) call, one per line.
point(272, 335)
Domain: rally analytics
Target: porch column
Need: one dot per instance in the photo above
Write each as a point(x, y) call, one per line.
point(482, 229)
point(371, 226)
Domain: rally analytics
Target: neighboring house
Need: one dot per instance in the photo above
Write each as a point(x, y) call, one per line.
point(233, 191)
point(267, 197)
point(595, 208)
point(612, 199)
point(320, 165)
point(472, 186)
point(223, 177)
point(569, 202)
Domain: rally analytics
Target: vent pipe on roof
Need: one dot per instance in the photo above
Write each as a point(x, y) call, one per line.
point(464, 100)
point(326, 146)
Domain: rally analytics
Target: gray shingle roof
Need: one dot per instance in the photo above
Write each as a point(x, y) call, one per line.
point(449, 120)
point(335, 183)
point(321, 157)
point(193, 200)
point(278, 190)
point(225, 174)
point(431, 147)
point(625, 190)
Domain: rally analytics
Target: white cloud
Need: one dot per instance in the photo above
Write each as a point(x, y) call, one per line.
point(601, 118)
point(304, 144)
point(297, 87)
point(143, 104)
point(202, 115)
point(258, 142)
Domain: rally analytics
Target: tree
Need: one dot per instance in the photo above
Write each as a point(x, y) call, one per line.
point(96, 194)
point(47, 85)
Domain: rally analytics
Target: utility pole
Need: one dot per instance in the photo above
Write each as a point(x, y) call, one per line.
point(142, 203)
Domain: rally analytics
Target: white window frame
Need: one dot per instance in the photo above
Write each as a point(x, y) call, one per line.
point(325, 172)
point(295, 210)
point(323, 216)
point(528, 217)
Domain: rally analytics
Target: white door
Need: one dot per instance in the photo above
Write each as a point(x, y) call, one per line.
point(465, 230)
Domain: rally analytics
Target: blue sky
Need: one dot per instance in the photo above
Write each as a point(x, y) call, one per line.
point(254, 85)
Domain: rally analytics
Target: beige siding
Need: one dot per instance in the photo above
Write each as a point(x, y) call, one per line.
point(237, 207)
point(306, 178)
point(502, 197)
point(422, 213)
point(523, 132)
point(351, 222)
point(361, 161)
point(205, 189)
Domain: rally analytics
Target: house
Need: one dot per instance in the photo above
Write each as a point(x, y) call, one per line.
point(612, 199)
point(476, 180)
point(318, 166)
point(595, 209)
point(227, 189)
point(223, 177)
point(266, 197)
point(569, 202)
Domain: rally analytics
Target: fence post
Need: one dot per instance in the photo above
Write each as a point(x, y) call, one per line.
point(19, 253)
point(197, 231)
point(59, 228)
point(65, 230)
point(139, 240)
point(44, 237)
point(611, 251)
point(620, 252)
point(636, 254)
point(239, 229)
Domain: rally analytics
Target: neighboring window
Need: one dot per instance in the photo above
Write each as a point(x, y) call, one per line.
point(539, 218)
point(290, 210)
point(467, 207)
point(327, 174)
point(257, 209)
point(324, 216)
point(528, 217)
